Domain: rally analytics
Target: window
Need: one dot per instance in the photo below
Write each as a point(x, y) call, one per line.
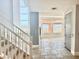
point(24, 14)
point(57, 27)
point(44, 28)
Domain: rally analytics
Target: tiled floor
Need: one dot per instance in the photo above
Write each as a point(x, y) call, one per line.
point(52, 48)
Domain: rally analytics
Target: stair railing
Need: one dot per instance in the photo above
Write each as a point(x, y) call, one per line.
point(16, 40)
point(21, 33)
point(16, 29)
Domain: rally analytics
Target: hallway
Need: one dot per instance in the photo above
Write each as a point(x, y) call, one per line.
point(52, 48)
point(35, 29)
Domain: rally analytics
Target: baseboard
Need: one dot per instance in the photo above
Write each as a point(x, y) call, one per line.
point(75, 53)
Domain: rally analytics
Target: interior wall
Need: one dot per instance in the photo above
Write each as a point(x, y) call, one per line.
point(16, 12)
point(16, 15)
point(77, 30)
point(6, 12)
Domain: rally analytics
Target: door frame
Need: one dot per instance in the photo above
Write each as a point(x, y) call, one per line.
point(70, 12)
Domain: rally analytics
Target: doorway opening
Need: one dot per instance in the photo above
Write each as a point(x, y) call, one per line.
point(55, 37)
point(54, 40)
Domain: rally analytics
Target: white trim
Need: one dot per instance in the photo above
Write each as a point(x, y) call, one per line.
point(35, 46)
point(75, 53)
point(68, 11)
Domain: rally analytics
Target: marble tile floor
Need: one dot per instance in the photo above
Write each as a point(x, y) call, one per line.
point(52, 48)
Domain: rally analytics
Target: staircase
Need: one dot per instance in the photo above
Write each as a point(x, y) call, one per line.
point(15, 28)
point(14, 44)
point(21, 33)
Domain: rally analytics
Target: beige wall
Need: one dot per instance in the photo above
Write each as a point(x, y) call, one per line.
point(6, 12)
point(77, 31)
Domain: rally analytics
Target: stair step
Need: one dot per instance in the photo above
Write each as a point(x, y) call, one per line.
point(1, 55)
point(24, 55)
point(1, 58)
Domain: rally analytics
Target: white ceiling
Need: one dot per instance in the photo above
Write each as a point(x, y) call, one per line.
point(44, 6)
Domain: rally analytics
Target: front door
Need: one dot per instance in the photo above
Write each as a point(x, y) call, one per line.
point(68, 30)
